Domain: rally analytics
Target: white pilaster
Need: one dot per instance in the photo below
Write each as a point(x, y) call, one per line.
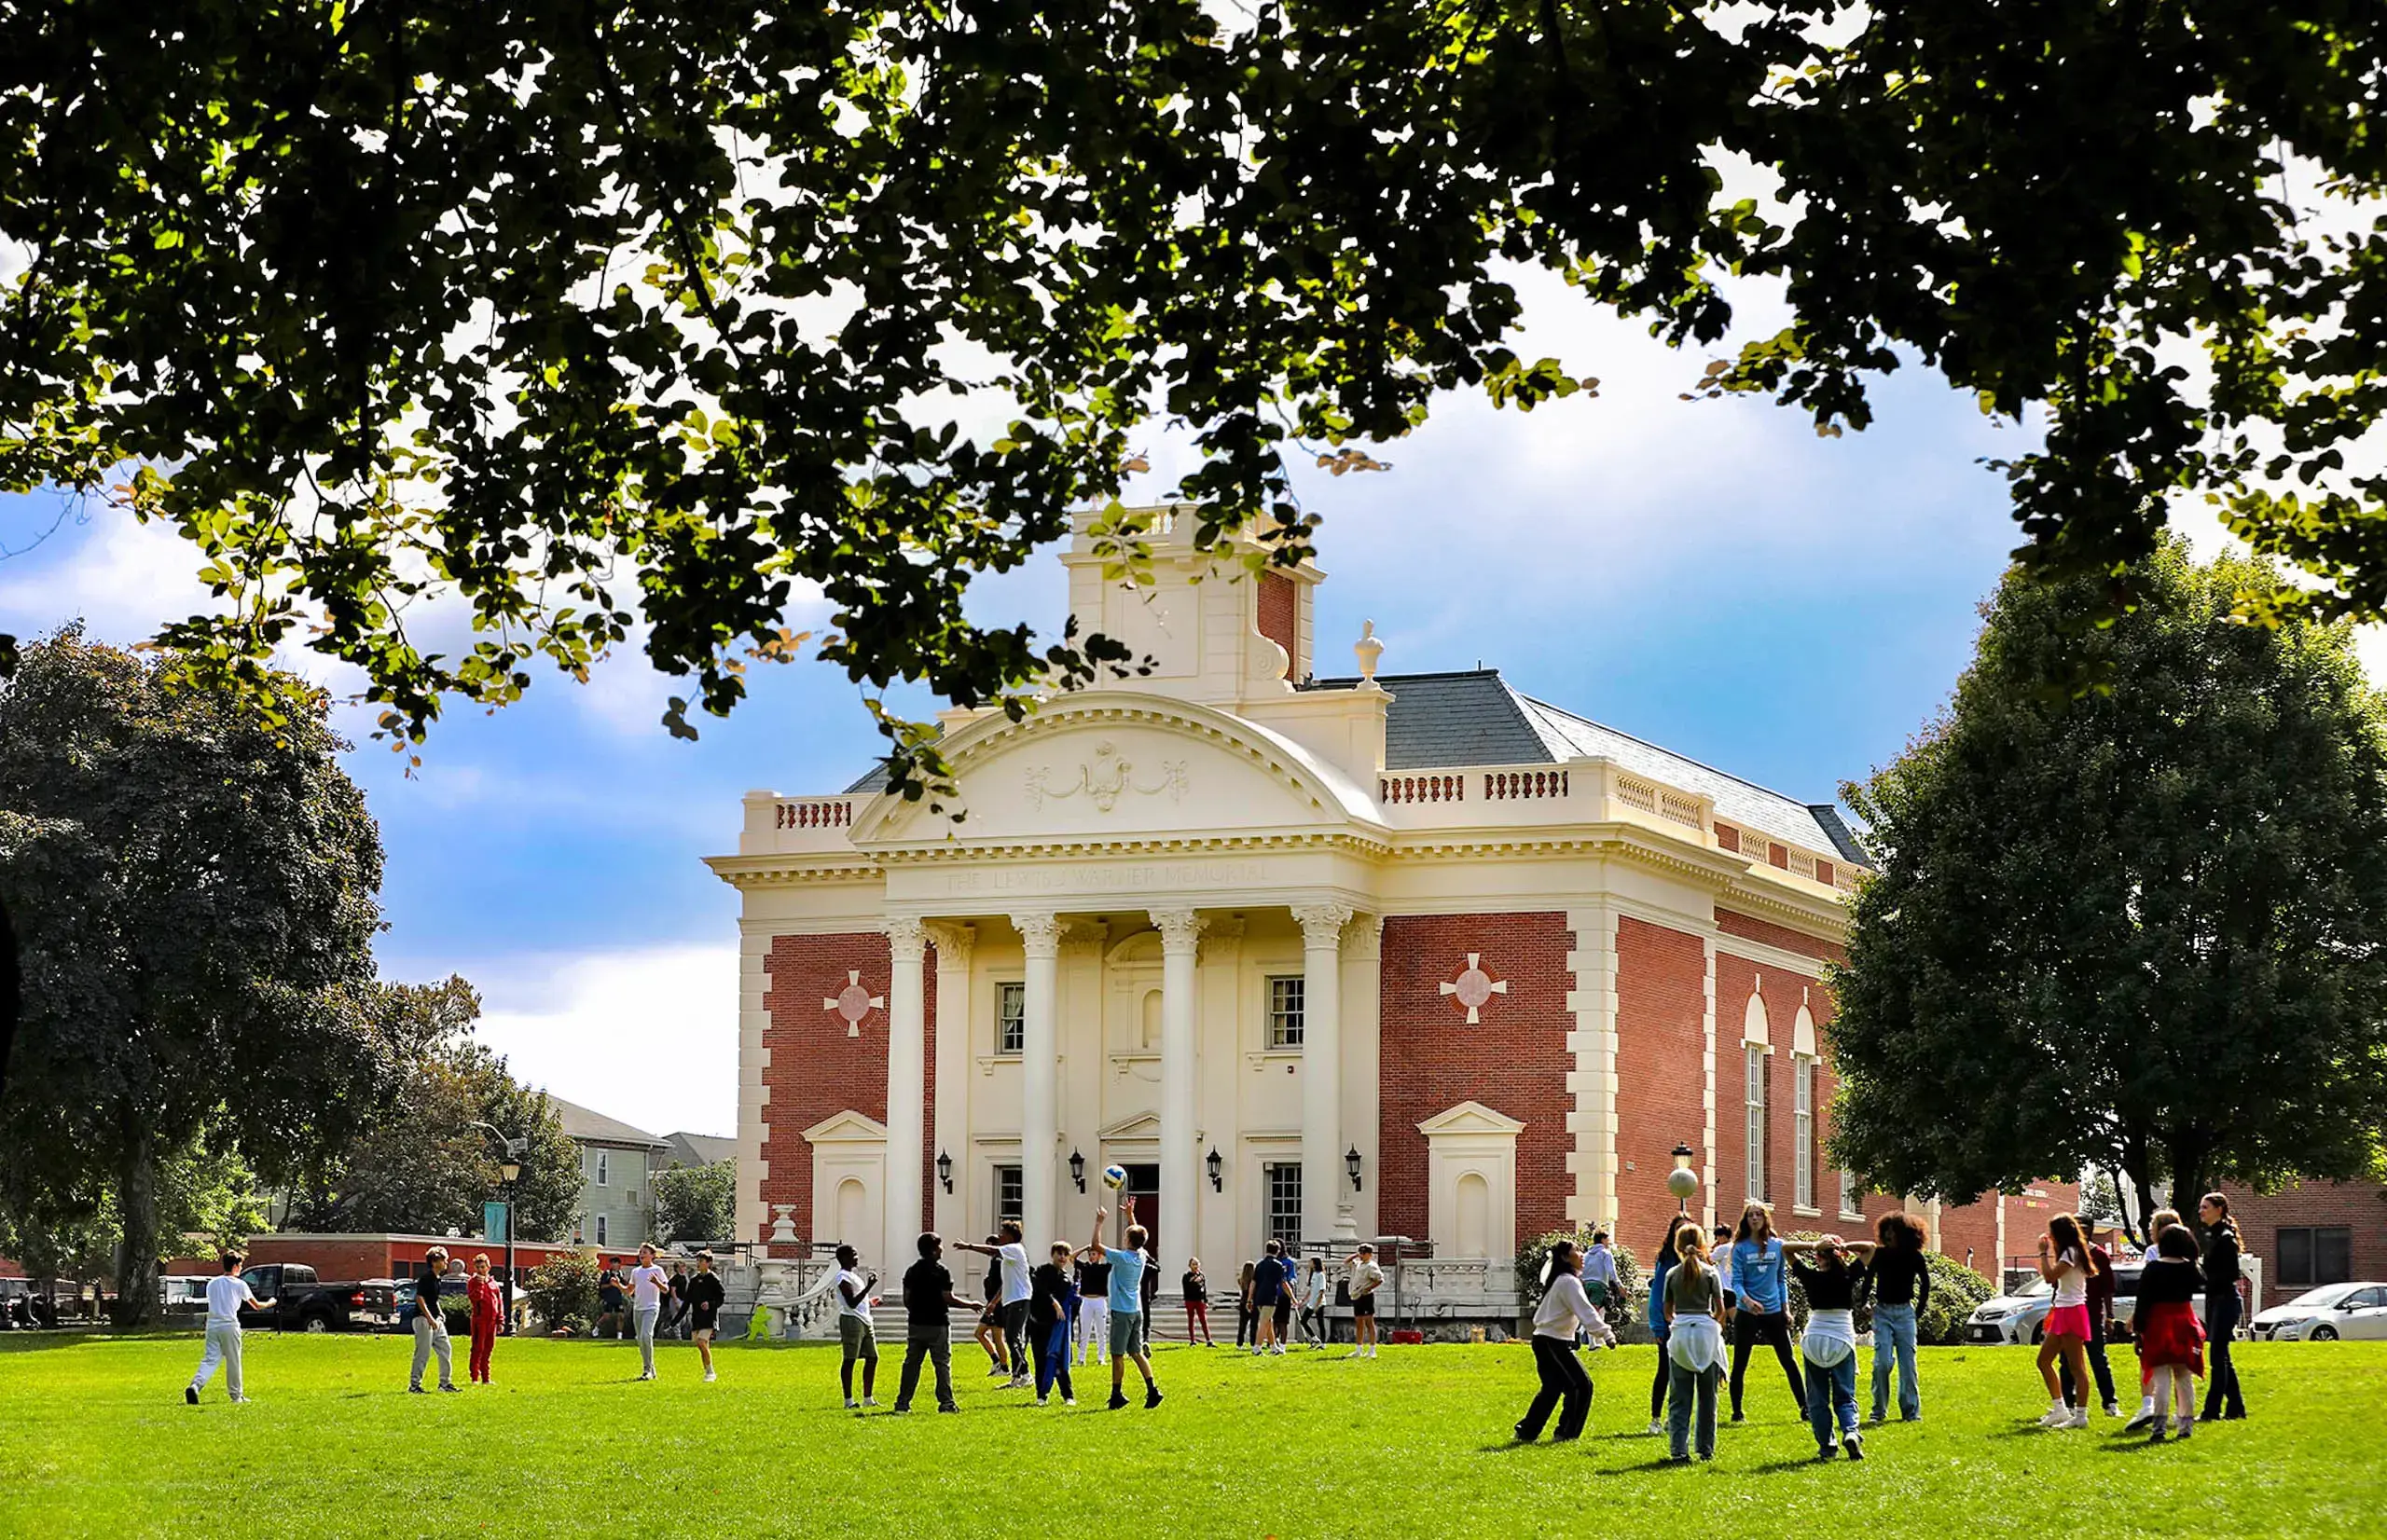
point(1040, 1072)
point(753, 1095)
point(1325, 1190)
point(954, 944)
point(1593, 1081)
point(906, 1083)
point(1707, 1140)
point(1181, 1161)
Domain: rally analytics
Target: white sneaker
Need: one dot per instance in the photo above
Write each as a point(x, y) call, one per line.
point(1068, 1400)
point(1278, 1350)
point(2079, 1419)
point(710, 1377)
point(852, 1405)
point(1655, 1430)
point(1042, 1402)
point(2057, 1416)
point(870, 1400)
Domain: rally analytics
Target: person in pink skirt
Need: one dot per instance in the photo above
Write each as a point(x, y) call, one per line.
point(2171, 1339)
point(2066, 1262)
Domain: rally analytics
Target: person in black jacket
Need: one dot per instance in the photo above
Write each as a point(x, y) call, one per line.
point(2222, 1309)
point(431, 1324)
point(704, 1296)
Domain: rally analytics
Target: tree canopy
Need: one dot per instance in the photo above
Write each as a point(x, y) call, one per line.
point(194, 896)
point(427, 1162)
point(2143, 928)
point(626, 330)
point(696, 1202)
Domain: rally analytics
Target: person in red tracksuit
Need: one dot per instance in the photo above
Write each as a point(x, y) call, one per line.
point(482, 1290)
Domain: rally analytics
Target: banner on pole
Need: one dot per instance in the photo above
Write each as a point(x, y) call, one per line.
point(493, 1222)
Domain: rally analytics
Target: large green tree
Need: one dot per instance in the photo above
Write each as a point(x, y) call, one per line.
point(2141, 925)
point(429, 1161)
point(697, 1203)
point(193, 891)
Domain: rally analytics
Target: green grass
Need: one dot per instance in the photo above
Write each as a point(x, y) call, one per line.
point(95, 1440)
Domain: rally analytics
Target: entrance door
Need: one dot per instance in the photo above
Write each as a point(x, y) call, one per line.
point(1143, 1184)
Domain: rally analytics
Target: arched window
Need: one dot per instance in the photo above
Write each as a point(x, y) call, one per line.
point(1756, 1034)
point(852, 1203)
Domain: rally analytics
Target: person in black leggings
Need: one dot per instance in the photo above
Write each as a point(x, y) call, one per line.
point(2222, 1397)
point(1762, 1314)
point(1657, 1317)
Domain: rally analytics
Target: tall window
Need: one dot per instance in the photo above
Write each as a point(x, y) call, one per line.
point(1753, 1099)
point(604, 1171)
point(600, 1230)
point(1008, 1191)
point(1852, 1197)
point(1010, 1018)
point(1284, 1217)
point(1802, 1132)
point(2308, 1258)
point(1285, 993)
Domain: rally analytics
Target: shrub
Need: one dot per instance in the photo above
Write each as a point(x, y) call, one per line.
point(564, 1290)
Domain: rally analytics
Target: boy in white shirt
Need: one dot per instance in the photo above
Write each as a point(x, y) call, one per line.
point(649, 1284)
point(1012, 1257)
point(225, 1297)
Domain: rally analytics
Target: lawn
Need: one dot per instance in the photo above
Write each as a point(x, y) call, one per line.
point(95, 1440)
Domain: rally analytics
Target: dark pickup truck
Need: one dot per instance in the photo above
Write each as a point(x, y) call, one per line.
point(295, 1300)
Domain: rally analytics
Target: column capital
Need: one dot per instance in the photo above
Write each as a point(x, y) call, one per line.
point(1041, 932)
point(1087, 933)
point(906, 936)
point(1364, 939)
point(953, 942)
point(1322, 923)
point(1180, 929)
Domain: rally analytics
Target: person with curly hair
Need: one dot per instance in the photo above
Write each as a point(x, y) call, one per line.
point(1899, 1280)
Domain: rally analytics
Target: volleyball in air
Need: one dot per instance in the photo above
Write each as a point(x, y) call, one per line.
point(1114, 1176)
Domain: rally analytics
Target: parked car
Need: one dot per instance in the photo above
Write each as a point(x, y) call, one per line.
point(2326, 1313)
point(2017, 1317)
point(295, 1299)
point(455, 1303)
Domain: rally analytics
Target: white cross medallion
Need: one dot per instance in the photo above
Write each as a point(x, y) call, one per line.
point(1474, 988)
point(855, 1003)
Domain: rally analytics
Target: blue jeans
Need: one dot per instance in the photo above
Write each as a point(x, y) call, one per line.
point(1828, 1391)
point(1894, 1329)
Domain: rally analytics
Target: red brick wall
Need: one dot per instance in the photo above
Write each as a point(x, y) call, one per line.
point(1783, 992)
point(2359, 1206)
point(1661, 1070)
point(1514, 1061)
point(901, 1245)
point(1728, 838)
point(1276, 616)
point(1971, 1228)
point(1750, 928)
point(815, 1069)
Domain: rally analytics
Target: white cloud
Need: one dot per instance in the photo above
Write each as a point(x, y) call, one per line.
point(123, 577)
point(648, 1036)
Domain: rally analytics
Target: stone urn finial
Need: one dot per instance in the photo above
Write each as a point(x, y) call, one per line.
point(1368, 650)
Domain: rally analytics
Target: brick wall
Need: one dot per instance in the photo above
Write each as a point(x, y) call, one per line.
point(1749, 927)
point(1971, 1229)
point(901, 1245)
point(2358, 1206)
point(1276, 611)
point(1661, 1068)
point(815, 1069)
point(1513, 1061)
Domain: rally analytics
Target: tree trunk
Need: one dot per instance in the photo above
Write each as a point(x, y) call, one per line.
point(2191, 1178)
point(136, 1268)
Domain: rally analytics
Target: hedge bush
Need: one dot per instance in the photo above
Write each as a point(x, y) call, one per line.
point(564, 1290)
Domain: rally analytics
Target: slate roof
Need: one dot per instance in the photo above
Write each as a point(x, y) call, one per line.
point(596, 1128)
point(1474, 717)
point(698, 1149)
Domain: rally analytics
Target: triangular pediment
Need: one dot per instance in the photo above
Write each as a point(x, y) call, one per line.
point(1140, 1125)
point(1115, 764)
point(1471, 1117)
point(845, 1127)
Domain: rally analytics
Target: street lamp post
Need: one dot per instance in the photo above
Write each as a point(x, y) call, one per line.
point(1682, 1181)
point(509, 1169)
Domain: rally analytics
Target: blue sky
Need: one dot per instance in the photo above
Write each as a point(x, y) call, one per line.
point(1708, 576)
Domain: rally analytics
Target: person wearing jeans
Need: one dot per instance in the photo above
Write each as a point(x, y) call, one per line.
point(2222, 1397)
point(431, 1324)
point(1900, 1282)
point(1828, 1346)
point(1694, 1350)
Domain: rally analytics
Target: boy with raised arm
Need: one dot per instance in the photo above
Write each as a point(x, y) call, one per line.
point(1127, 1267)
point(226, 1296)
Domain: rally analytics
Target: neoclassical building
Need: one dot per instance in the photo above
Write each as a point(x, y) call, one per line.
point(1371, 955)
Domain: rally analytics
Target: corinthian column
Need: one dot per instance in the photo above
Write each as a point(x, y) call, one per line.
point(1040, 1072)
point(1321, 1063)
point(906, 1087)
point(1181, 1167)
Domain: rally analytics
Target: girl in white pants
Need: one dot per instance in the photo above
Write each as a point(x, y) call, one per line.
point(1094, 1311)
